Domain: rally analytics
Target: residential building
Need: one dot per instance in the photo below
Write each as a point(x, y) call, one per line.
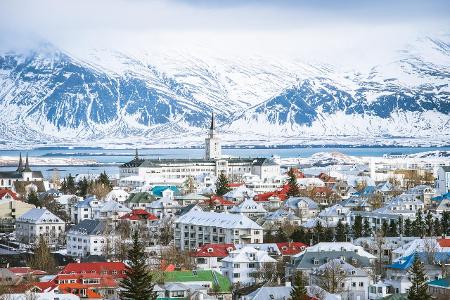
point(443, 180)
point(39, 222)
point(239, 265)
point(11, 208)
point(249, 208)
point(439, 289)
point(89, 237)
point(114, 269)
point(86, 209)
point(209, 256)
point(195, 229)
point(353, 283)
point(303, 207)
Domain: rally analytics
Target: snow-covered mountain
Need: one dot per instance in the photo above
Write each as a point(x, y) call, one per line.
point(51, 96)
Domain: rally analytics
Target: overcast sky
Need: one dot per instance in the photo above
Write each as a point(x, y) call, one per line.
point(322, 27)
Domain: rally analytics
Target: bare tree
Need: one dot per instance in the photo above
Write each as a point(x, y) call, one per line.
point(166, 227)
point(181, 259)
point(331, 277)
point(379, 242)
point(430, 248)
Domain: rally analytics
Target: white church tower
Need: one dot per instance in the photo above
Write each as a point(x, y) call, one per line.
point(213, 149)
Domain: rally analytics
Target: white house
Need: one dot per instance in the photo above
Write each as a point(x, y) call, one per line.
point(240, 264)
point(89, 237)
point(353, 284)
point(249, 208)
point(303, 207)
point(443, 180)
point(239, 194)
point(196, 228)
point(39, 222)
point(86, 209)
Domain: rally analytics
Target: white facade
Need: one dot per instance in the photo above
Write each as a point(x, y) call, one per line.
point(443, 180)
point(240, 264)
point(198, 228)
point(39, 222)
point(89, 237)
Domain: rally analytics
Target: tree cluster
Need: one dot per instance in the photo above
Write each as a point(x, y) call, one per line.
point(222, 185)
point(50, 203)
point(99, 187)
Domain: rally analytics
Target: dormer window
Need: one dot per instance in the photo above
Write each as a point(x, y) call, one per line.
point(210, 250)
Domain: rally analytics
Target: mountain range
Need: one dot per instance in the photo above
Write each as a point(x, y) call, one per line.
point(51, 96)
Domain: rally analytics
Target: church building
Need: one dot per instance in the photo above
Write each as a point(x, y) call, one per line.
point(167, 170)
point(23, 179)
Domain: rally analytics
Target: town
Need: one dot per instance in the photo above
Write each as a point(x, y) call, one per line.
point(229, 228)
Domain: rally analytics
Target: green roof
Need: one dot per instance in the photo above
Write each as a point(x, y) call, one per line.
point(200, 275)
point(444, 282)
point(141, 197)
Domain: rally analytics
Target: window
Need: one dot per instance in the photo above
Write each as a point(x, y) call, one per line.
point(236, 266)
point(236, 275)
point(361, 283)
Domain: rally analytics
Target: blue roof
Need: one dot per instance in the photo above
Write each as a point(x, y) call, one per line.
point(369, 190)
point(158, 189)
point(404, 263)
point(443, 282)
point(86, 202)
point(441, 197)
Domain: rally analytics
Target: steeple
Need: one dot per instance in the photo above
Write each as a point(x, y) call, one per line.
point(213, 123)
point(136, 156)
point(212, 142)
point(20, 167)
point(27, 165)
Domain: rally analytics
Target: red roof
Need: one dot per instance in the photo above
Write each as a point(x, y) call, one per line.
point(444, 242)
point(139, 214)
point(213, 250)
point(234, 184)
point(96, 267)
point(292, 248)
point(281, 194)
point(217, 200)
point(4, 192)
point(322, 189)
point(105, 280)
point(20, 271)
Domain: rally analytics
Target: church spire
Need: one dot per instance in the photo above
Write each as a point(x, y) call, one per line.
point(213, 123)
point(20, 167)
point(136, 155)
point(27, 165)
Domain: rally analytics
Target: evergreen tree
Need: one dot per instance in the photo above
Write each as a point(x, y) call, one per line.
point(418, 224)
point(437, 230)
point(340, 232)
point(429, 224)
point(32, 198)
point(280, 236)
point(419, 287)
point(70, 185)
point(294, 190)
point(357, 227)
point(104, 180)
point(445, 222)
point(299, 236)
point(367, 228)
point(408, 228)
point(222, 185)
point(138, 283)
point(318, 232)
point(328, 234)
point(83, 187)
point(298, 291)
point(401, 226)
point(384, 228)
point(42, 258)
point(392, 230)
point(268, 236)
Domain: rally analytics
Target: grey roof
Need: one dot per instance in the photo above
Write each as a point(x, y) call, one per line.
point(293, 202)
point(86, 202)
point(90, 227)
point(37, 215)
point(306, 260)
point(446, 168)
point(10, 174)
point(233, 221)
point(262, 161)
